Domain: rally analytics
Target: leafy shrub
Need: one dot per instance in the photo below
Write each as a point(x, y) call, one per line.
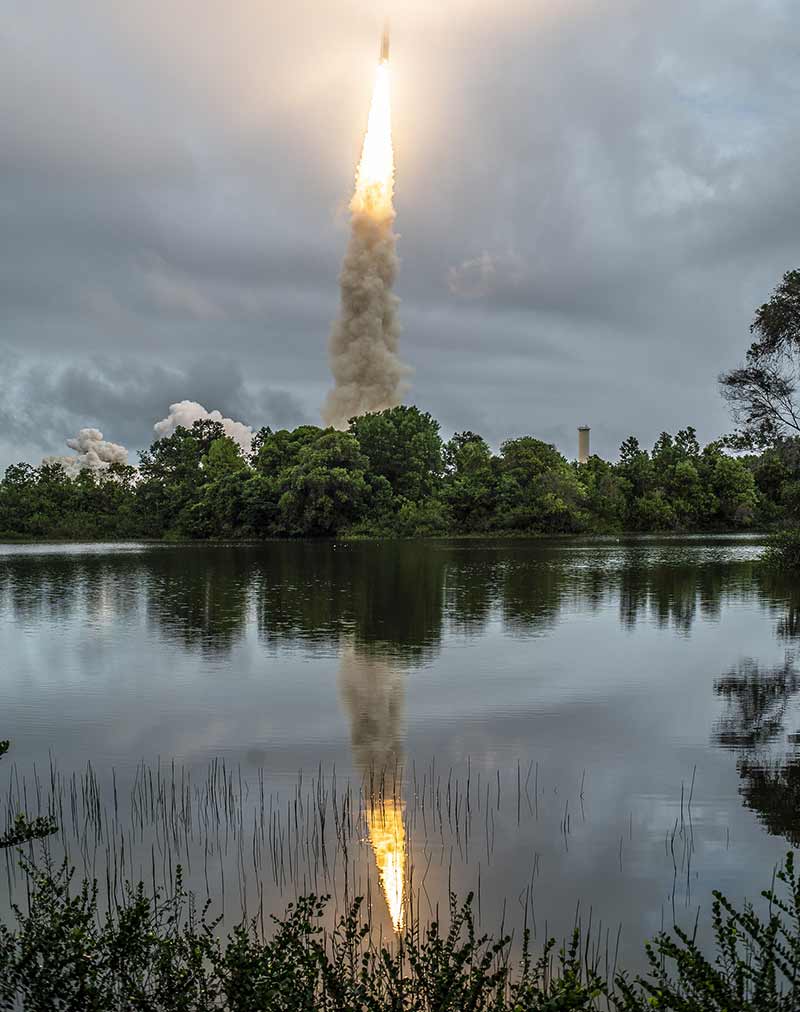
point(756, 968)
point(156, 954)
point(783, 550)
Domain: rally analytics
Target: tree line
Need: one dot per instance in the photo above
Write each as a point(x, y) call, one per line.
point(391, 475)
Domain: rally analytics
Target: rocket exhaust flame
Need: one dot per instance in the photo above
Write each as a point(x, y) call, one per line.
point(368, 375)
point(375, 173)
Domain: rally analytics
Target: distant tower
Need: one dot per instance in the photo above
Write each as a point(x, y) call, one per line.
point(583, 443)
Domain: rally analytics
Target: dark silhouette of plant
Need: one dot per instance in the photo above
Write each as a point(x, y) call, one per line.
point(22, 830)
point(160, 954)
point(762, 393)
point(756, 967)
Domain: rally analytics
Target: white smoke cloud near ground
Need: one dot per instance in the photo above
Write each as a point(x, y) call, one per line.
point(368, 375)
point(92, 453)
point(186, 413)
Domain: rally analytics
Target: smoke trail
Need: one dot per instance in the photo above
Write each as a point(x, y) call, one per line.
point(93, 453)
point(368, 375)
point(186, 413)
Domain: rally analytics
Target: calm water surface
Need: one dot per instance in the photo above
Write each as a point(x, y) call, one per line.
point(606, 722)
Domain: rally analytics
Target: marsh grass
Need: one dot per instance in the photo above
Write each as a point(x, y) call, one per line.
point(95, 941)
point(160, 953)
point(251, 847)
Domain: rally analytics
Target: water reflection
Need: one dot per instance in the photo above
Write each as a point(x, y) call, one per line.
point(571, 684)
point(372, 691)
point(403, 597)
point(395, 604)
point(756, 725)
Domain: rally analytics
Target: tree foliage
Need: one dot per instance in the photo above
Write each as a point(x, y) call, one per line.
point(391, 475)
point(762, 393)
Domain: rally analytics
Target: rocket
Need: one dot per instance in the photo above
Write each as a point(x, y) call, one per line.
point(385, 44)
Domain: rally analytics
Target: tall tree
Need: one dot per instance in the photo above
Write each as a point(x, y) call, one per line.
point(762, 393)
point(537, 488)
point(469, 490)
point(403, 446)
point(327, 488)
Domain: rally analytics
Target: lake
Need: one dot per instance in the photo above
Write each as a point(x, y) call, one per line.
point(606, 726)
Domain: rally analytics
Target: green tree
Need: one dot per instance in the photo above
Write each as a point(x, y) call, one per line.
point(537, 488)
point(404, 447)
point(606, 493)
point(274, 452)
point(762, 393)
point(327, 489)
point(469, 488)
point(730, 485)
point(172, 477)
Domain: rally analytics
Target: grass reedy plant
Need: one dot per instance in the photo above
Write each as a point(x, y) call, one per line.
point(162, 954)
point(156, 954)
point(756, 967)
point(22, 829)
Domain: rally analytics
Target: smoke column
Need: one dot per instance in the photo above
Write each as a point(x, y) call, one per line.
point(92, 453)
point(368, 375)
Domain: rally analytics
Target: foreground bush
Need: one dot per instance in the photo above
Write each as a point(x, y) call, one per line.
point(783, 551)
point(162, 955)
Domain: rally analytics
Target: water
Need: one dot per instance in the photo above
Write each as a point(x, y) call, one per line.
point(604, 722)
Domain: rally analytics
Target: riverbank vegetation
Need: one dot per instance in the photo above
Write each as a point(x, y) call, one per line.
point(783, 551)
point(158, 953)
point(80, 947)
point(391, 475)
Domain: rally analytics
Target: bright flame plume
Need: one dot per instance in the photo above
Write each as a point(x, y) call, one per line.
point(387, 835)
point(375, 173)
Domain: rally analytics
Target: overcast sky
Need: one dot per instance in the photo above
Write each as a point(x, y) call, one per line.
point(593, 196)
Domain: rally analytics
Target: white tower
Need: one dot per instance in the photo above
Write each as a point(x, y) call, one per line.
point(583, 443)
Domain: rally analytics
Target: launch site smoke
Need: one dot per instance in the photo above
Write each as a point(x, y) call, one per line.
point(186, 413)
point(92, 453)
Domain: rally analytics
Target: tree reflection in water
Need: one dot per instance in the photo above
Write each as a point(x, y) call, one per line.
point(759, 703)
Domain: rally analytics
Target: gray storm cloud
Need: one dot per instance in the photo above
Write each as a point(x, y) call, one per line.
point(92, 453)
point(186, 413)
point(645, 179)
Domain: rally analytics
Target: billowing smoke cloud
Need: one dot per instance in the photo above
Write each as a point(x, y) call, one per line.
point(368, 375)
point(186, 413)
point(92, 453)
